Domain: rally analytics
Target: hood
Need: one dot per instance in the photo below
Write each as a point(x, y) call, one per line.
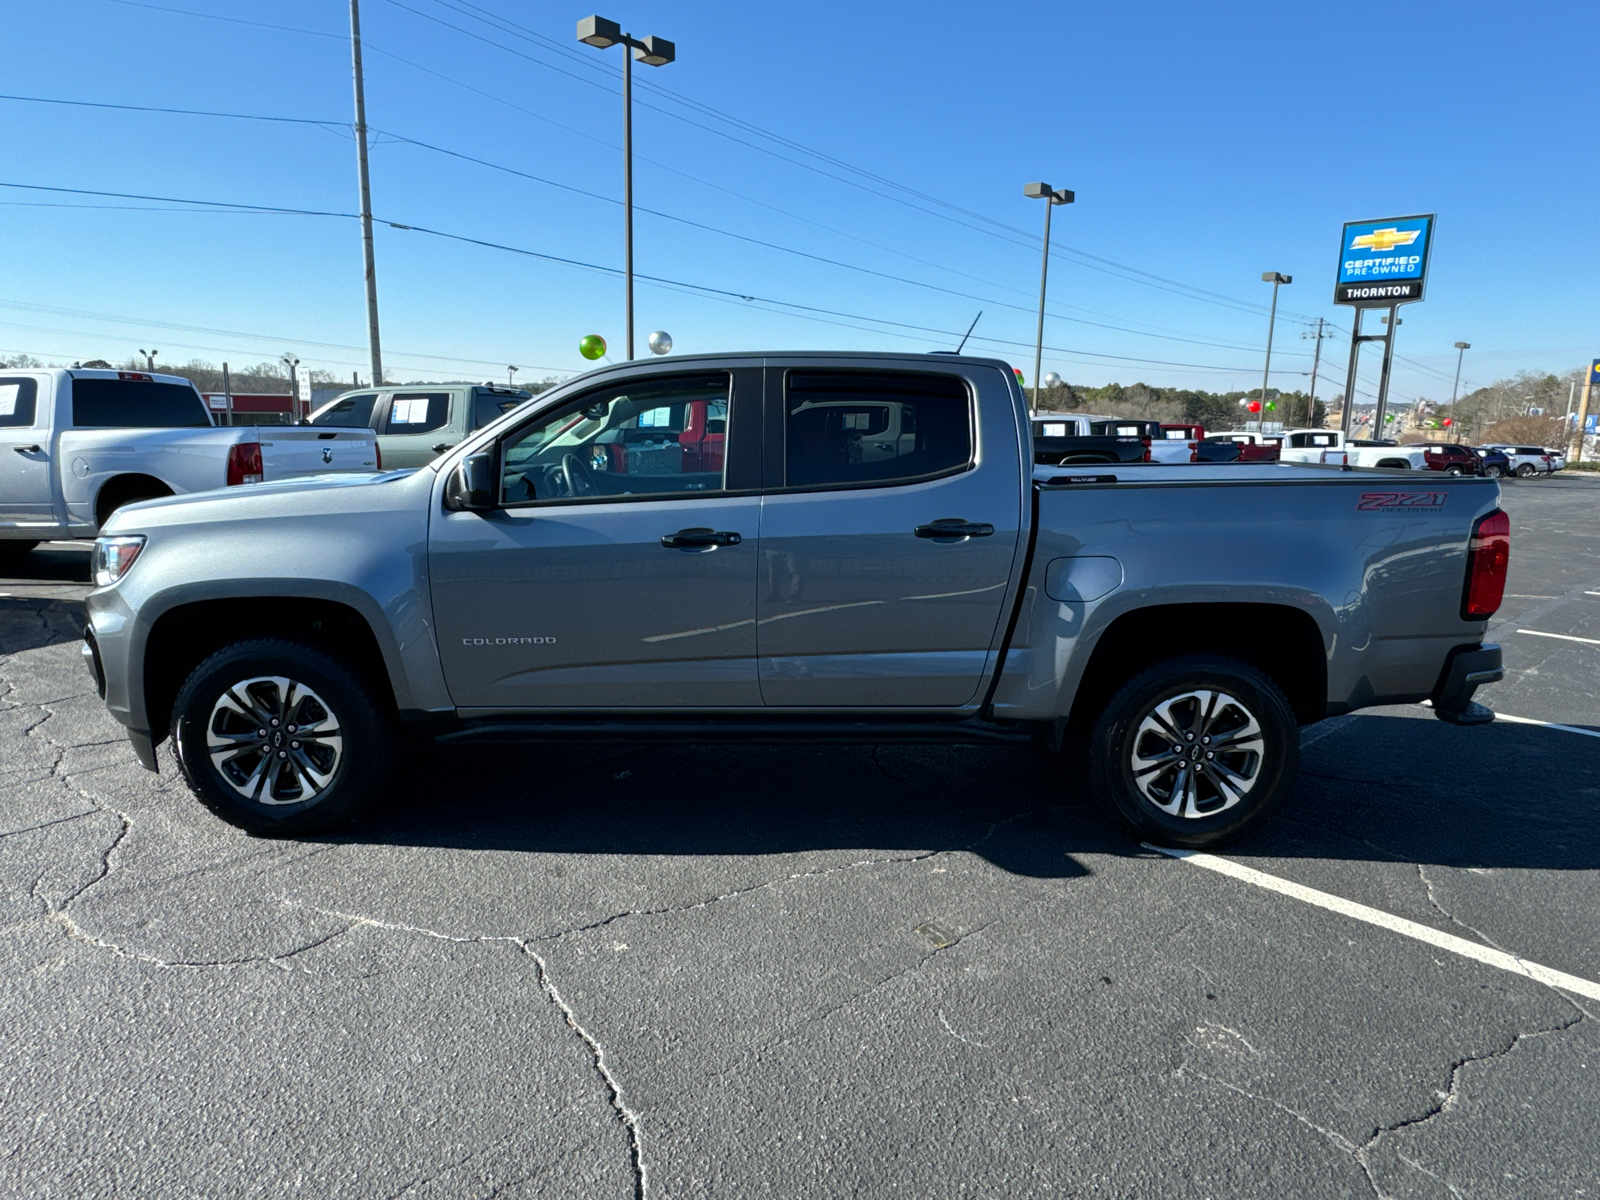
point(304, 496)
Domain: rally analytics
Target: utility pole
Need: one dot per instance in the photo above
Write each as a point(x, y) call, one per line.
point(510, 374)
point(1316, 364)
point(227, 393)
point(366, 196)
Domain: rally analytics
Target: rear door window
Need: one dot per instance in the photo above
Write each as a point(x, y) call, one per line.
point(846, 428)
point(347, 412)
point(136, 404)
point(18, 402)
point(417, 412)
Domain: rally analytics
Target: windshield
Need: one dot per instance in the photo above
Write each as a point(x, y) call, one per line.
point(136, 404)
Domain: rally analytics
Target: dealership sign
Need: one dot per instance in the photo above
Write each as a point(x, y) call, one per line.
point(1384, 262)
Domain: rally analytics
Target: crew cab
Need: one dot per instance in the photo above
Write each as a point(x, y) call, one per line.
point(593, 566)
point(414, 425)
point(1061, 439)
point(1331, 446)
point(77, 444)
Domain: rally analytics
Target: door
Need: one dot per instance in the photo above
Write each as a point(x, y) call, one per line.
point(415, 427)
point(621, 570)
point(25, 492)
point(885, 563)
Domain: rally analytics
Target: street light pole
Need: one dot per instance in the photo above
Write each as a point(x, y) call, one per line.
point(1461, 351)
point(1052, 197)
point(1275, 279)
point(366, 196)
point(653, 52)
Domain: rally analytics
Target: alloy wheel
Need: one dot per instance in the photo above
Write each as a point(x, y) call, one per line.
point(274, 741)
point(1197, 754)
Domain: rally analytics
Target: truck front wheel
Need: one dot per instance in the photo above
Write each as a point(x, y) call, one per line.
point(1194, 751)
point(280, 738)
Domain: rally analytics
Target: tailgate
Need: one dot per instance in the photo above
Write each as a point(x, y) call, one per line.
point(288, 451)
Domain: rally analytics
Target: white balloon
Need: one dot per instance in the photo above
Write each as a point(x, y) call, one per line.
point(1052, 380)
point(660, 342)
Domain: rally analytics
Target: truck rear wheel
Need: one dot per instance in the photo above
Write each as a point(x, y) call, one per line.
point(280, 738)
point(1194, 751)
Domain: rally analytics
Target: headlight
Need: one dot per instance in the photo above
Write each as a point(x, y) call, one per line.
point(113, 556)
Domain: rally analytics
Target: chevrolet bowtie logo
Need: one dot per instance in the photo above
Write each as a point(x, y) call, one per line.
point(1383, 240)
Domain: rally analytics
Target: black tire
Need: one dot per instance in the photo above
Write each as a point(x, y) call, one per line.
point(1493, 472)
point(1453, 471)
point(10, 549)
point(318, 782)
point(1525, 471)
point(1120, 733)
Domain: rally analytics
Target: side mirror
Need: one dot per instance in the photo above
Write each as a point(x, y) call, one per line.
point(470, 487)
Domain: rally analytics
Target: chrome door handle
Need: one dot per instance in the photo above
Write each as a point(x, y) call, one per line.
point(953, 529)
point(699, 539)
point(28, 449)
point(443, 446)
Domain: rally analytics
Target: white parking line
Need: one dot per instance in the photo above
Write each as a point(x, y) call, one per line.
point(1500, 716)
point(1565, 637)
point(1373, 916)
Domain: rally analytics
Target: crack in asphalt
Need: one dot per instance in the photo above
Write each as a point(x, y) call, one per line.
point(1422, 874)
point(628, 1118)
point(1361, 1153)
point(815, 873)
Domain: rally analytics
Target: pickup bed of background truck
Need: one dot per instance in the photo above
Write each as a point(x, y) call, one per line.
point(75, 445)
point(732, 547)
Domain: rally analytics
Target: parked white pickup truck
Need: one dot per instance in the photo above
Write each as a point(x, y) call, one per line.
point(1331, 446)
point(76, 445)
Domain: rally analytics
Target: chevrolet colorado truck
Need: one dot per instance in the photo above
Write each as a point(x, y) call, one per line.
point(77, 444)
point(734, 547)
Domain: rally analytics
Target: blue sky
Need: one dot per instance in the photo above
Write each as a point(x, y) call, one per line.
point(1206, 144)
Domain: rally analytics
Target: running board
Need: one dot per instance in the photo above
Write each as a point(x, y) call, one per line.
point(770, 732)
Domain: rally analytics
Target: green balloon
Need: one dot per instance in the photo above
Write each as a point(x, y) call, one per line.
point(592, 346)
point(1272, 405)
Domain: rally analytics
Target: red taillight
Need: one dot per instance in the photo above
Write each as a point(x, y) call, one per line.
point(244, 464)
point(1488, 555)
point(378, 450)
point(1146, 449)
point(1194, 452)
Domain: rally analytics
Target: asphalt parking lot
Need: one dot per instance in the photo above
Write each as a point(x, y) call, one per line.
point(817, 971)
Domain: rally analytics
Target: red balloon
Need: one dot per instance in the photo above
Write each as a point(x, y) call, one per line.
point(1447, 422)
point(1255, 406)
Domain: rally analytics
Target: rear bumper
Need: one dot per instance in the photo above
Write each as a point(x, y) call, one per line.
point(1468, 668)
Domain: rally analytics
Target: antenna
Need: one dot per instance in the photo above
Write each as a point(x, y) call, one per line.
point(968, 333)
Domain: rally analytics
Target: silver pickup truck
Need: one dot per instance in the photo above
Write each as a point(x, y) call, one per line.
point(77, 444)
point(821, 547)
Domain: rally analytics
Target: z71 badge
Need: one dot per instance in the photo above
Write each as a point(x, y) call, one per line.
point(1401, 501)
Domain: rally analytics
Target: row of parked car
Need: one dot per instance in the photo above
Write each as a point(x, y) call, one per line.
point(1062, 439)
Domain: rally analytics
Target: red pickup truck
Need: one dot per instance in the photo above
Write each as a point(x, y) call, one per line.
point(1252, 446)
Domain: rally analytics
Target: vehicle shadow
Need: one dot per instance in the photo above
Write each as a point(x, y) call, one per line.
point(49, 563)
point(892, 801)
point(1382, 788)
point(30, 622)
point(1415, 789)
